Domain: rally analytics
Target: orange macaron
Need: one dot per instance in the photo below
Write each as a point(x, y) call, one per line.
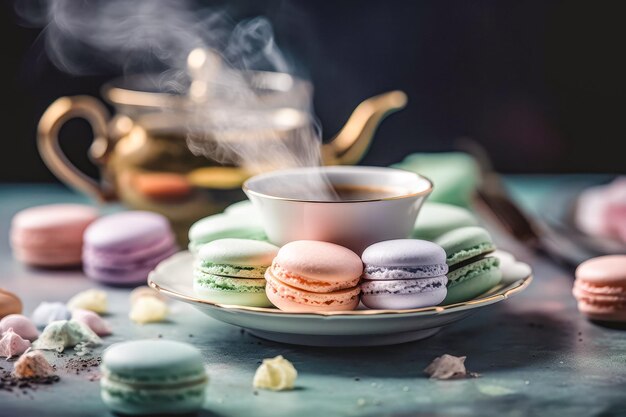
point(600, 288)
point(311, 276)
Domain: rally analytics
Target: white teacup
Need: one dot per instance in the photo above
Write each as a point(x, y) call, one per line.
point(293, 209)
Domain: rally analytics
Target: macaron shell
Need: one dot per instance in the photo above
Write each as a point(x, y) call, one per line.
point(475, 285)
point(435, 219)
point(320, 261)
point(291, 299)
point(55, 258)
point(404, 301)
point(602, 271)
point(250, 299)
point(465, 243)
point(403, 253)
point(242, 252)
point(126, 230)
point(221, 226)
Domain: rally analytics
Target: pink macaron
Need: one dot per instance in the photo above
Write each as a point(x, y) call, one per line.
point(311, 276)
point(600, 288)
point(51, 235)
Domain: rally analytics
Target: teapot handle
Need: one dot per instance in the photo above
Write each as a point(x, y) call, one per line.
point(353, 140)
point(59, 112)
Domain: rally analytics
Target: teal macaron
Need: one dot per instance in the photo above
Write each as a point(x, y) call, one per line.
point(232, 271)
point(471, 272)
point(145, 377)
point(435, 219)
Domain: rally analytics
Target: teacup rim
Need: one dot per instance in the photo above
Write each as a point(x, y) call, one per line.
point(424, 192)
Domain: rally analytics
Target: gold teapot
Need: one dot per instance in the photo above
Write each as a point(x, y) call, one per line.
point(144, 158)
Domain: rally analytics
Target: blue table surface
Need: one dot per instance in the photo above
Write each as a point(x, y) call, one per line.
point(535, 353)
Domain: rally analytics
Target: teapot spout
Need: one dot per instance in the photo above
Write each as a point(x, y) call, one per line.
point(353, 140)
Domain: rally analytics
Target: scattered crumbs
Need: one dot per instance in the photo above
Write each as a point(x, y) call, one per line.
point(81, 364)
point(10, 383)
point(259, 362)
point(256, 392)
point(580, 333)
point(259, 343)
point(373, 384)
point(190, 335)
point(357, 379)
point(360, 402)
point(561, 362)
point(580, 340)
point(526, 382)
point(159, 336)
point(405, 389)
point(241, 331)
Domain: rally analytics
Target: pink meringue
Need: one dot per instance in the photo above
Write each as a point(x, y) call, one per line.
point(93, 321)
point(12, 344)
point(21, 325)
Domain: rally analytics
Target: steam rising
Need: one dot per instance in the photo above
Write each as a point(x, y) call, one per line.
point(203, 54)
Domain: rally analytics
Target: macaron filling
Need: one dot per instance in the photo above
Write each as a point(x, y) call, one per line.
point(222, 283)
point(413, 286)
point(231, 270)
point(472, 270)
point(373, 272)
point(470, 253)
point(311, 284)
point(296, 295)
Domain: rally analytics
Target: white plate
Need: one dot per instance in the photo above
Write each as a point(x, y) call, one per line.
point(173, 277)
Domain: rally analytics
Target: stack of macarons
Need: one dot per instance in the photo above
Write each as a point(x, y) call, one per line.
point(122, 248)
point(403, 274)
point(600, 288)
point(161, 377)
point(232, 271)
point(471, 271)
point(51, 235)
point(313, 276)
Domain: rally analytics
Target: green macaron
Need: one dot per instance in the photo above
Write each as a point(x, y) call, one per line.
point(471, 272)
point(222, 226)
point(435, 219)
point(455, 175)
point(232, 271)
point(153, 377)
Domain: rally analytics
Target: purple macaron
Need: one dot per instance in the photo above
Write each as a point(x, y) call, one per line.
point(403, 274)
point(123, 248)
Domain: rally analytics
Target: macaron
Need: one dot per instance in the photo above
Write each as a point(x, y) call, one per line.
point(223, 226)
point(123, 248)
point(455, 175)
point(435, 219)
point(153, 377)
point(232, 271)
point(313, 276)
point(600, 288)
point(51, 235)
point(403, 274)
point(9, 303)
point(471, 272)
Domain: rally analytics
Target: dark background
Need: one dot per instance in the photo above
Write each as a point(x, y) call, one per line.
point(541, 84)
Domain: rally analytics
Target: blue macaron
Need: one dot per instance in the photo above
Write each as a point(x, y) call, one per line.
point(153, 377)
point(403, 274)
